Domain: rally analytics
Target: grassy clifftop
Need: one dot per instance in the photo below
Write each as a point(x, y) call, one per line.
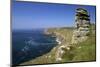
point(50, 56)
point(83, 51)
point(64, 33)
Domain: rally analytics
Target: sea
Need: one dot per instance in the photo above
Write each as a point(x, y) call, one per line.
point(30, 44)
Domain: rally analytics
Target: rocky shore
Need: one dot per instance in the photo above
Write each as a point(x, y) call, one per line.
point(74, 43)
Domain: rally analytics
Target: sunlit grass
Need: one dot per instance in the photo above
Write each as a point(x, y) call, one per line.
point(84, 51)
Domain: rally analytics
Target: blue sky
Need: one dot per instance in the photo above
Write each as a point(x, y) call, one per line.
point(32, 15)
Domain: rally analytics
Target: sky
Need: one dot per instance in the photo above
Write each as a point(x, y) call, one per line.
point(32, 15)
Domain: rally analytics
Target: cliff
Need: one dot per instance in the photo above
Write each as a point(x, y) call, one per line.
point(53, 55)
point(74, 43)
point(67, 51)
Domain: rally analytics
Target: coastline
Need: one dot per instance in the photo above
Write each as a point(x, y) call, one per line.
point(65, 51)
point(61, 39)
point(57, 40)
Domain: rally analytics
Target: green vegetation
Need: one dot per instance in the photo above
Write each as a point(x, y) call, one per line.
point(83, 51)
point(64, 33)
point(67, 32)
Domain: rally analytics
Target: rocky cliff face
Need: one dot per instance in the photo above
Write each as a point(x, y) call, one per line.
point(82, 23)
point(80, 34)
point(67, 38)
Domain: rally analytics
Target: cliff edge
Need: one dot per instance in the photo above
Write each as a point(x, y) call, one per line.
point(74, 43)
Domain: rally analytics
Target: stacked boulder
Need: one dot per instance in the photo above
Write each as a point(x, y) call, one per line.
point(82, 25)
point(80, 34)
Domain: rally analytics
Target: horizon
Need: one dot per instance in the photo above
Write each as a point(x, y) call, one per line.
point(33, 15)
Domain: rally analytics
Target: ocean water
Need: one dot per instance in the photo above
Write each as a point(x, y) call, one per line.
point(29, 44)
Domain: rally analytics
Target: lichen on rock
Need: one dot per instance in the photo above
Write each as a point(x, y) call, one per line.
point(67, 39)
point(82, 21)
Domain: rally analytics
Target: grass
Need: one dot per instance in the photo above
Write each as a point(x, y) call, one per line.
point(67, 33)
point(84, 51)
point(87, 51)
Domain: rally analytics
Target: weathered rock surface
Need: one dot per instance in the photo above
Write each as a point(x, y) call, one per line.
point(66, 38)
point(82, 26)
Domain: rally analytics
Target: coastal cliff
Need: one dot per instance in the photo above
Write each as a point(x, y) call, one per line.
point(74, 43)
point(53, 55)
point(66, 51)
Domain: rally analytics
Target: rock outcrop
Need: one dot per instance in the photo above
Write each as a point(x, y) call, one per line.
point(80, 34)
point(66, 38)
point(82, 24)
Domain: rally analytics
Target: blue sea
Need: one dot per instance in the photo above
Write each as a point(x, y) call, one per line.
point(29, 44)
